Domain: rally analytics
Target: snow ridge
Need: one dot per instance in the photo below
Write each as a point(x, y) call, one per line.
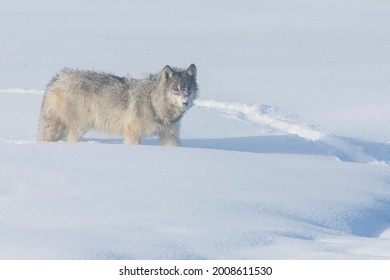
point(270, 116)
point(264, 115)
point(21, 90)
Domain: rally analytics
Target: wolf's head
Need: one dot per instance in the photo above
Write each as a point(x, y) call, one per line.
point(180, 86)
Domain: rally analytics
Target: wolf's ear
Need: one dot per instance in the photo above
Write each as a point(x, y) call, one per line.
point(167, 73)
point(191, 71)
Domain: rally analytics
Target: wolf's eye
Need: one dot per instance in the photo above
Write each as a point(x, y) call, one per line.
point(175, 88)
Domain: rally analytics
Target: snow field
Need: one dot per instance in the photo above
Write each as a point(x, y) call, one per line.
point(286, 153)
point(195, 202)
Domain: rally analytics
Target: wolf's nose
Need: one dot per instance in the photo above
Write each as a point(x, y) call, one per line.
point(185, 103)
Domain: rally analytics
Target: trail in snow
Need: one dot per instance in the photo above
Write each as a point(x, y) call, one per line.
point(269, 116)
point(20, 90)
point(263, 115)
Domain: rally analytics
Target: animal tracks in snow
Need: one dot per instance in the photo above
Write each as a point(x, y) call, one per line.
point(263, 115)
point(21, 90)
point(294, 136)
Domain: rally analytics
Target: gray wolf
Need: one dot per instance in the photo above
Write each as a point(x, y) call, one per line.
point(77, 101)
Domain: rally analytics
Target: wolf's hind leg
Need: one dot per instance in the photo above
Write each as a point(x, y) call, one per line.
point(74, 134)
point(50, 128)
point(132, 136)
point(132, 140)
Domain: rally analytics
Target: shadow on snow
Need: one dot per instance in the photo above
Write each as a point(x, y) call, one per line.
point(279, 144)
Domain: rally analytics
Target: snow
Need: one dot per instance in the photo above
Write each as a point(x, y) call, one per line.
point(285, 155)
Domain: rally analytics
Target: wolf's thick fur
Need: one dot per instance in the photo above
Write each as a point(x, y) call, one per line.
point(77, 101)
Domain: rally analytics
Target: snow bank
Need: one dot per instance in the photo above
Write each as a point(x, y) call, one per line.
point(100, 200)
point(113, 201)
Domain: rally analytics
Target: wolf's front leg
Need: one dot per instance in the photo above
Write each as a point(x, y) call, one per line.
point(170, 136)
point(170, 141)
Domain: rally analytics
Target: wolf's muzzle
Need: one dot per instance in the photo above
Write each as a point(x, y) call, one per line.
point(185, 101)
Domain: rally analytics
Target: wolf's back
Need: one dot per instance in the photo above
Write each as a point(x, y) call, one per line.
point(83, 100)
point(89, 82)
